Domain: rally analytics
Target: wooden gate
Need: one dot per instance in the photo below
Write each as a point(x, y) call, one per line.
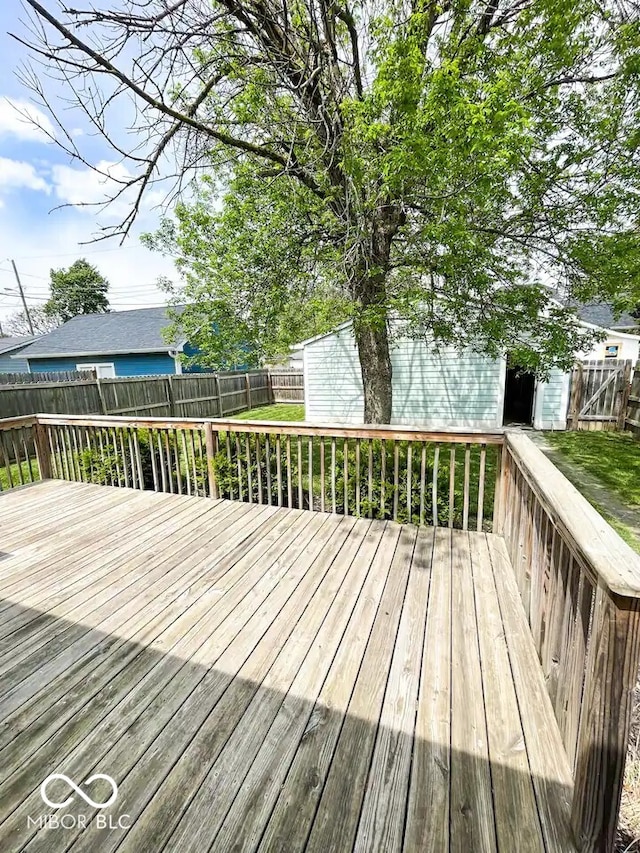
point(599, 395)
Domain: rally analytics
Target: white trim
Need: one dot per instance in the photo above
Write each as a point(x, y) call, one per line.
point(96, 366)
point(305, 383)
point(315, 338)
point(538, 403)
point(502, 390)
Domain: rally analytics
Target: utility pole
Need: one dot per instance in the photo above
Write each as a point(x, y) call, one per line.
point(24, 301)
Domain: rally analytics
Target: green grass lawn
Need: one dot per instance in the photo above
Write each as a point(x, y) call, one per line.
point(276, 412)
point(15, 474)
point(612, 457)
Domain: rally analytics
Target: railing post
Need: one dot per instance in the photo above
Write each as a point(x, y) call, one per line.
point(612, 662)
point(43, 453)
point(211, 446)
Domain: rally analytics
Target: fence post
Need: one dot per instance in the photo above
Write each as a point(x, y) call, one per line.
point(43, 453)
point(101, 395)
point(211, 446)
point(270, 387)
point(220, 407)
point(576, 395)
point(170, 397)
point(247, 384)
point(626, 391)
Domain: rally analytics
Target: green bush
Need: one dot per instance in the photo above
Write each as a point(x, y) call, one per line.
point(104, 465)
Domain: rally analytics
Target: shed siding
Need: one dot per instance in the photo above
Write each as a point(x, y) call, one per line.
point(13, 365)
point(142, 364)
point(445, 388)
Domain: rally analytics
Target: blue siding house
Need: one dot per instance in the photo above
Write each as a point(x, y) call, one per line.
point(118, 343)
point(11, 358)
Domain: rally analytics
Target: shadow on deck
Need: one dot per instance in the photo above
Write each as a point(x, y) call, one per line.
point(256, 678)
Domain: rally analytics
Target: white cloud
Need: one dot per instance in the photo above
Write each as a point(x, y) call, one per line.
point(16, 174)
point(88, 188)
point(23, 120)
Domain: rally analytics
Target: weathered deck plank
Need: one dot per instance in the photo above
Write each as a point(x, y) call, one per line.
point(264, 679)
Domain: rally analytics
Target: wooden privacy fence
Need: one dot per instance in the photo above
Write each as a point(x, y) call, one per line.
point(599, 395)
point(186, 395)
point(48, 376)
point(287, 386)
point(578, 581)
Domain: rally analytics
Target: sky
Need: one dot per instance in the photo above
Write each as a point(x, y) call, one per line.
point(36, 177)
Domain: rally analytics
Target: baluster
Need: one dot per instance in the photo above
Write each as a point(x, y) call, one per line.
point(465, 498)
point(370, 483)
point(16, 456)
point(423, 480)
point(383, 475)
point(5, 456)
point(125, 461)
point(279, 467)
point(167, 458)
point(238, 466)
point(28, 459)
point(322, 483)
point(114, 445)
point(259, 469)
point(230, 461)
point(481, 476)
point(310, 464)
point(289, 477)
point(396, 478)
point(333, 475)
point(452, 483)
point(194, 470)
point(300, 500)
point(434, 484)
point(345, 476)
point(52, 453)
point(176, 453)
point(409, 484)
point(248, 462)
point(203, 464)
point(154, 467)
point(358, 477)
point(267, 452)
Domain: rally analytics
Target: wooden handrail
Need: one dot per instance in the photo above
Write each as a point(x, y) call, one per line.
point(606, 556)
point(580, 586)
point(376, 431)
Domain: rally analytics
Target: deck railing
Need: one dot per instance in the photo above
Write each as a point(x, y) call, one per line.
point(407, 475)
point(579, 582)
point(580, 585)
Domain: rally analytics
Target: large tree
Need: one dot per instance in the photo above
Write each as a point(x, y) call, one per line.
point(80, 289)
point(453, 161)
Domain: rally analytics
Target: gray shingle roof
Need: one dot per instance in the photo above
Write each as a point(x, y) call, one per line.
point(602, 314)
point(8, 344)
point(139, 330)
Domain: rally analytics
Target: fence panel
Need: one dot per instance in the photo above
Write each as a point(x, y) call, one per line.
point(48, 376)
point(287, 386)
point(194, 395)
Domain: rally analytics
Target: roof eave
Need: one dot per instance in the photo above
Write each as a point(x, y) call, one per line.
point(97, 354)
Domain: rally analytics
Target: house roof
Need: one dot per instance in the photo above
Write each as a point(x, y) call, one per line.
point(602, 314)
point(9, 344)
point(115, 332)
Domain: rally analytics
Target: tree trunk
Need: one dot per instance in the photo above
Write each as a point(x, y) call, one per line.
point(375, 366)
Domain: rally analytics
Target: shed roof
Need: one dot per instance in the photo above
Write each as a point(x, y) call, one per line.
point(139, 330)
point(603, 314)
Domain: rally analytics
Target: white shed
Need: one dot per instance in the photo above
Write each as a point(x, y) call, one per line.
point(436, 389)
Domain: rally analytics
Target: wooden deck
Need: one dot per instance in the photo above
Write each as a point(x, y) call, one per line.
point(262, 679)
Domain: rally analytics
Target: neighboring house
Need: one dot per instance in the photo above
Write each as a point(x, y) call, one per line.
point(439, 389)
point(11, 358)
point(118, 343)
point(601, 314)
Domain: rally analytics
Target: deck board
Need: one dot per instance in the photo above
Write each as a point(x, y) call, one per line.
point(263, 679)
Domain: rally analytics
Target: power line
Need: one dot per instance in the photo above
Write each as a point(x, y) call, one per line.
point(78, 253)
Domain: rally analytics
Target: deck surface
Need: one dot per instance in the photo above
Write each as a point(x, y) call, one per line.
point(261, 679)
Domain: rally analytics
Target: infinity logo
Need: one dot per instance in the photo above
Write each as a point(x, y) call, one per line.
point(72, 784)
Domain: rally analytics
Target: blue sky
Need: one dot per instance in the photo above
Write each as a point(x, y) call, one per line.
point(36, 176)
